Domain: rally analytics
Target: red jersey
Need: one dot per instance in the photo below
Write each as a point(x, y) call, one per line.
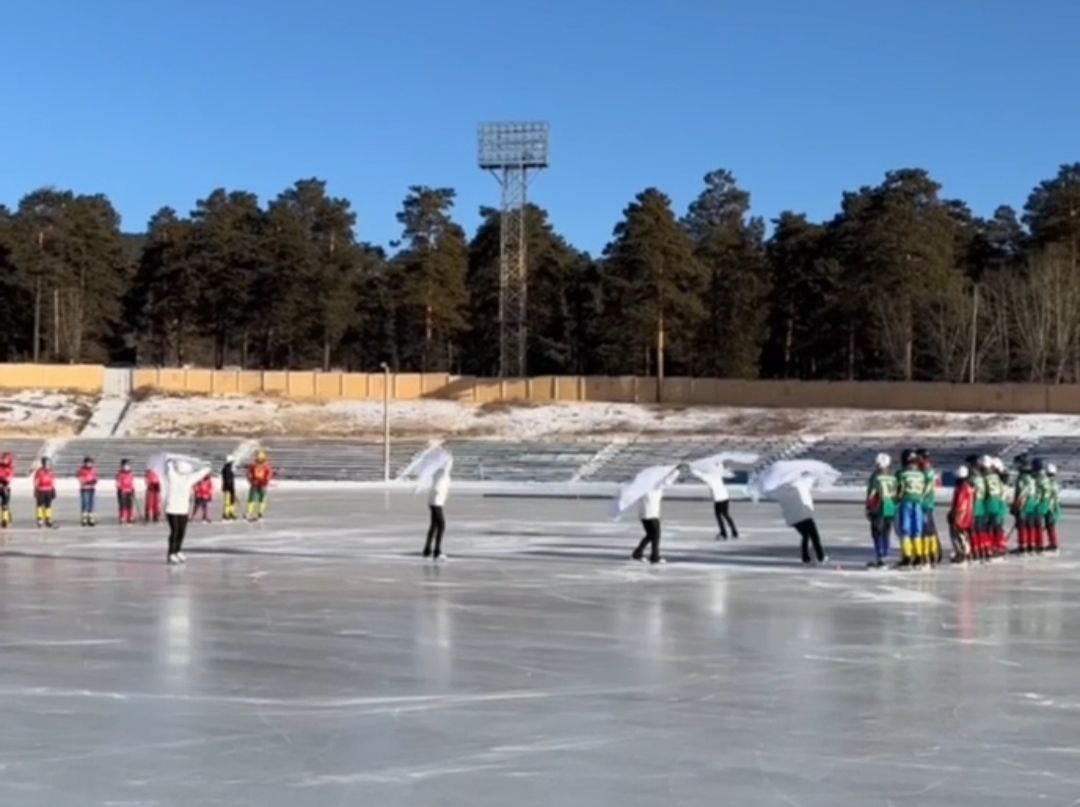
point(204, 490)
point(44, 480)
point(152, 481)
point(125, 482)
point(7, 473)
point(88, 478)
point(962, 513)
point(260, 474)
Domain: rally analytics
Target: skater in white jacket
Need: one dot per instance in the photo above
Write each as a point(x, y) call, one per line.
point(179, 475)
point(789, 483)
point(440, 491)
point(432, 469)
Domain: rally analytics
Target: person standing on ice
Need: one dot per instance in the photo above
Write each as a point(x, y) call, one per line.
point(125, 493)
point(646, 491)
point(931, 539)
point(962, 516)
point(440, 492)
point(713, 472)
point(1051, 499)
point(228, 490)
point(45, 492)
point(995, 505)
point(881, 508)
point(204, 493)
point(432, 469)
point(88, 481)
point(790, 484)
point(180, 475)
point(153, 496)
point(260, 474)
point(912, 491)
point(7, 474)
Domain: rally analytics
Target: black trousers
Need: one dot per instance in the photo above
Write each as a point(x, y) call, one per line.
point(177, 530)
point(5, 496)
point(723, 513)
point(435, 530)
point(652, 536)
point(809, 532)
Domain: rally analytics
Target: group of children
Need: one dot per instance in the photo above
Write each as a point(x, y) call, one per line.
point(260, 474)
point(905, 501)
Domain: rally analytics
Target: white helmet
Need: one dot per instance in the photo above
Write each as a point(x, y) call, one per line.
point(882, 461)
point(999, 464)
point(230, 458)
point(1051, 469)
point(962, 472)
point(986, 462)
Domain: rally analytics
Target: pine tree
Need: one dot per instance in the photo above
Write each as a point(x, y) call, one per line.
point(431, 269)
point(729, 247)
point(651, 290)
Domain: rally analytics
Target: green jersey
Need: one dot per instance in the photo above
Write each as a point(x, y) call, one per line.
point(881, 495)
point(995, 495)
point(1044, 486)
point(1054, 497)
point(912, 483)
point(930, 494)
point(1027, 495)
point(978, 481)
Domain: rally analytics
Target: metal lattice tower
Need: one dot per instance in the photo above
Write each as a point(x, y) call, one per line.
point(510, 151)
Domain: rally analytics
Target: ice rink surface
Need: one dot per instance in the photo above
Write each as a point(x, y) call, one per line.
point(316, 659)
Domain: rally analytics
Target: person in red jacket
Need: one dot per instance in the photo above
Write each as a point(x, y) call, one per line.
point(125, 492)
point(7, 473)
point(204, 492)
point(44, 492)
point(153, 496)
point(88, 479)
point(260, 473)
point(962, 516)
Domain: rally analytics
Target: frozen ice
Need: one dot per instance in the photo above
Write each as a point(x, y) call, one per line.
point(316, 659)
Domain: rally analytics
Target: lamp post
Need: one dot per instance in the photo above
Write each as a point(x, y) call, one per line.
point(386, 421)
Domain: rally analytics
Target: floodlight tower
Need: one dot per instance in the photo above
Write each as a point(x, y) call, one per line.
point(510, 151)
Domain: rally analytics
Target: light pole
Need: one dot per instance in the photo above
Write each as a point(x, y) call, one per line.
point(386, 421)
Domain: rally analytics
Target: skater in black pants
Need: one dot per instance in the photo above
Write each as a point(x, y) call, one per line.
point(650, 521)
point(181, 476)
point(797, 507)
point(722, 511)
point(807, 528)
point(440, 492)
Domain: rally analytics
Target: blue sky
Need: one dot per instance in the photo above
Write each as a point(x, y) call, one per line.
point(158, 103)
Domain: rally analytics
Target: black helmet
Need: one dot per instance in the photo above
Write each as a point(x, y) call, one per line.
point(87, 460)
point(1037, 465)
point(906, 456)
point(1021, 460)
point(972, 460)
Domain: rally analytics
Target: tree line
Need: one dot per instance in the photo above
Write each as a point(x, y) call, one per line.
point(900, 284)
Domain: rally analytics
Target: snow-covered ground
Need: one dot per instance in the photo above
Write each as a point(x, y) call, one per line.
point(238, 416)
point(43, 414)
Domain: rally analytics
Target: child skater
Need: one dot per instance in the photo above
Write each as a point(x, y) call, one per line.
point(153, 496)
point(125, 493)
point(88, 480)
point(881, 508)
point(962, 516)
point(204, 492)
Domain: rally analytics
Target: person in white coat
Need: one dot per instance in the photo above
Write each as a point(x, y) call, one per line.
point(721, 505)
point(797, 507)
point(440, 492)
point(181, 476)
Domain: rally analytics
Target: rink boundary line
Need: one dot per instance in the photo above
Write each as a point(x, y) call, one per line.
point(847, 494)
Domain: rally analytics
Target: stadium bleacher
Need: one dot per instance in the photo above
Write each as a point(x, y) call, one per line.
point(566, 460)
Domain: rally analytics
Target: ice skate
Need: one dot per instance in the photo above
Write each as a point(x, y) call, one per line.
point(173, 560)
